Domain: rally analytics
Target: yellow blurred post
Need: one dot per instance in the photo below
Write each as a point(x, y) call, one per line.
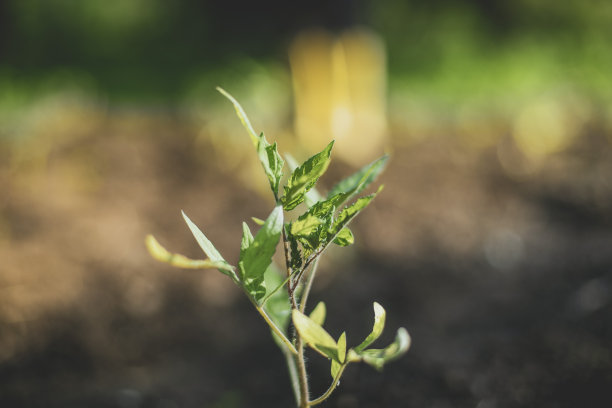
point(340, 93)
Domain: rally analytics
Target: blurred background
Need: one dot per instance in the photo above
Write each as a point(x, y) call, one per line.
point(491, 243)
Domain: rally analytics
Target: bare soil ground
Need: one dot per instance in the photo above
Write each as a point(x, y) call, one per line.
point(500, 269)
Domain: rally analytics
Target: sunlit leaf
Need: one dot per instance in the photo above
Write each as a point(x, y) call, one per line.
point(344, 237)
point(342, 347)
point(247, 240)
point(312, 196)
point(377, 328)
point(208, 248)
point(359, 180)
point(311, 228)
point(315, 335)
point(255, 259)
point(349, 212)
point(295, 253)
point(305, 225)
point(258, 221)
point(160, 253)
point(336, 365)
point(304, 178)
point(335, 368)
point(318, 314)
point(241, 115)
point(378, 357)
point(271, 161)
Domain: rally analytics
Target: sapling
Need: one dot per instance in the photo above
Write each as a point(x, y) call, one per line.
point(281, 297)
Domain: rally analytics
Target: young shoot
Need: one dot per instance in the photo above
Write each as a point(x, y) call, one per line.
point(280, 294)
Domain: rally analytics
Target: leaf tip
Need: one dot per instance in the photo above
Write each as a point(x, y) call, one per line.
point(378, 309)
point(404, 339)
point(155, 249)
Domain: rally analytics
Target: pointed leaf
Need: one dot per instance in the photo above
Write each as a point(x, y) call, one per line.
point(358, 181)
point(306, 225)
point(349, 212)
point(378, 357)
point(247, 240)
point(377, 329)
point(208, 248)
point(342, 347)
point(311, 228)
point(344, 238)
point(337, 365)
point(318, 313)
point(312, 196)
point(241, 115)
point(294, 250)
point(271, 161)
point(258, 221)
point(314, 335)
point(304, 178)
point(160, 253)
point(335, 368)
point(255, 259)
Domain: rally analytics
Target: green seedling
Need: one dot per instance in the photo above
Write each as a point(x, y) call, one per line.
point(280, 297)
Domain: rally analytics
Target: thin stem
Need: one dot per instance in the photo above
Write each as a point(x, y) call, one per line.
point(300, 362)
point(311, 259)
point(269, 295)
point(293, 375)
point(290, 287)
point(331, 388)
point(308, 285)
point(302, 374)
point(275, 329)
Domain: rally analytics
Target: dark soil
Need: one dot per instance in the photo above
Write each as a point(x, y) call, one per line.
point(501, 270)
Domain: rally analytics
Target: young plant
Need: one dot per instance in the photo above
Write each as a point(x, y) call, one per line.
point(281, 297)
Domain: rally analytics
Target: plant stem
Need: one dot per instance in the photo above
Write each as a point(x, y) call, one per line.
point(300, 363)
point(275, 329)
point(306, 291)
point(293, 374)
point(290, 286)
point(331, 388)
point(302, 374)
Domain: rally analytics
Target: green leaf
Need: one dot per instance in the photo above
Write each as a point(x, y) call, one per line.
point(311, 228)
point(335, 368)
point(241, 115)
point(258, 221)
point(350, 211)
point(378, 357)
point(359, 180)
point(318, 313)
point(256, 257)
point(344, 237)
point(304, 178)
point(247, 240)
point(315, 335)
point(305, 225)
point(336, 365)
point(342, 347)
point(208, 248)
point(295, 253)
point(271, 161)
point(160, 253)
point(377, 329)
point(312, 196)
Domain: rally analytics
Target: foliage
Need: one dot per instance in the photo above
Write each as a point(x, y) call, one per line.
point(281, 298)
